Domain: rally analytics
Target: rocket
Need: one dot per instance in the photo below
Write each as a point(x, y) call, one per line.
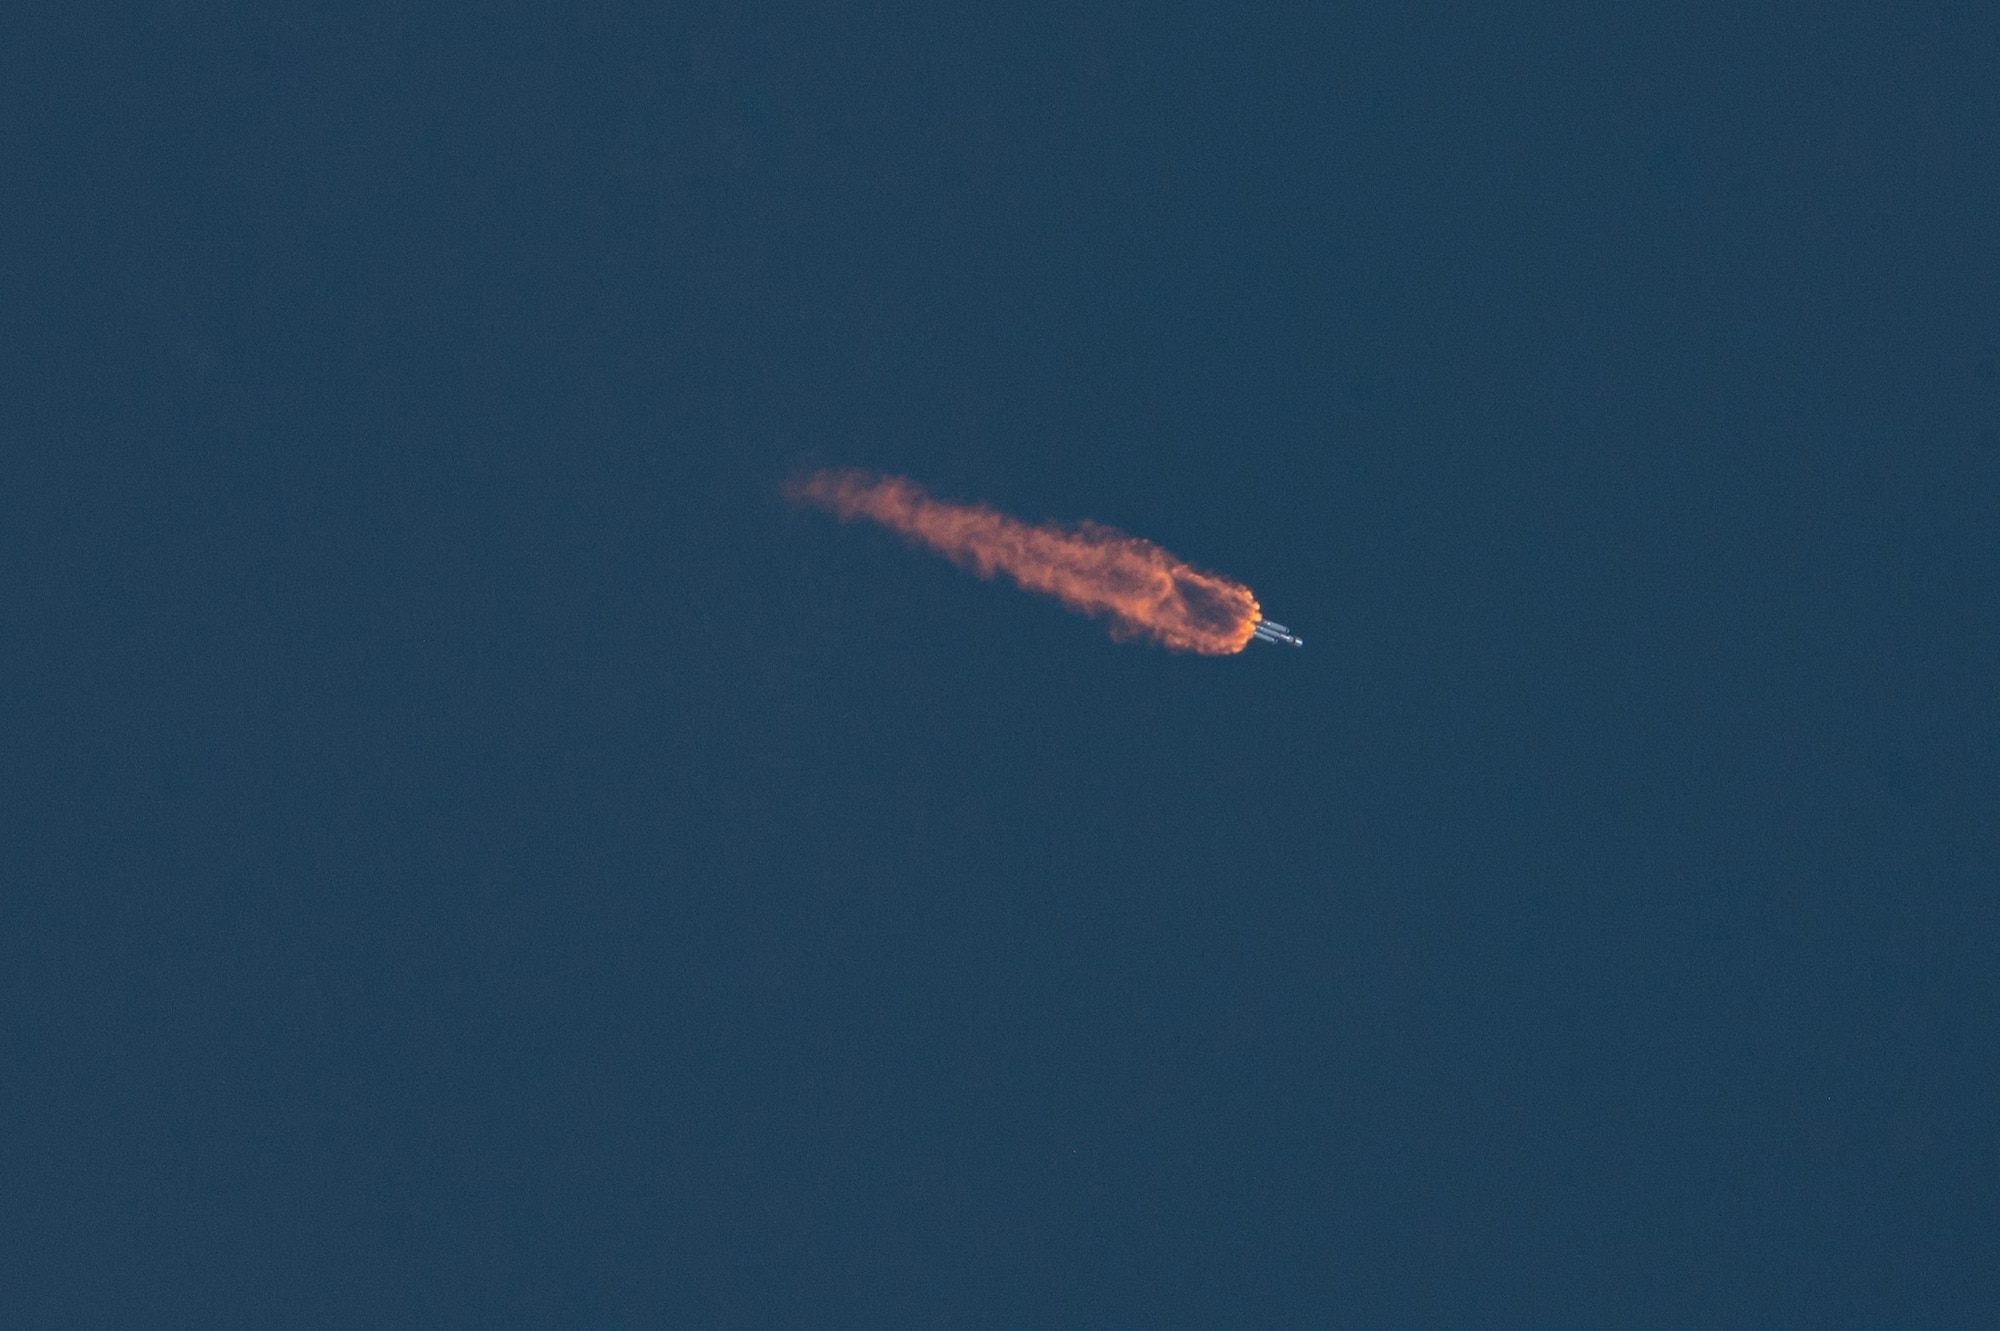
point(1267, 631)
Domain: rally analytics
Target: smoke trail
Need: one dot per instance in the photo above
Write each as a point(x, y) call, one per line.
point(1100, 571)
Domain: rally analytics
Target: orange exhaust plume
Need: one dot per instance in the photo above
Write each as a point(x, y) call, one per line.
point(1096, 570)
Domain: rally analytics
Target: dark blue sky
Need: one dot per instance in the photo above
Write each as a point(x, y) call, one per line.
point(474, 856)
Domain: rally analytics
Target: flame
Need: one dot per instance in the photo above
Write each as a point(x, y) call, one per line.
point(1144, 591)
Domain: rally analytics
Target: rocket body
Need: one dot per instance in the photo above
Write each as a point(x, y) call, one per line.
point(1269, 631)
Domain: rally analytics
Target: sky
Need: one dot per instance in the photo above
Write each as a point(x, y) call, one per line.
point(473, 854)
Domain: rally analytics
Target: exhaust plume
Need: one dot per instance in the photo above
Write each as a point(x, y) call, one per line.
point(1144, 591)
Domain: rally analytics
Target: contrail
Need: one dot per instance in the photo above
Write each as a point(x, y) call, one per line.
point(1143, 591)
